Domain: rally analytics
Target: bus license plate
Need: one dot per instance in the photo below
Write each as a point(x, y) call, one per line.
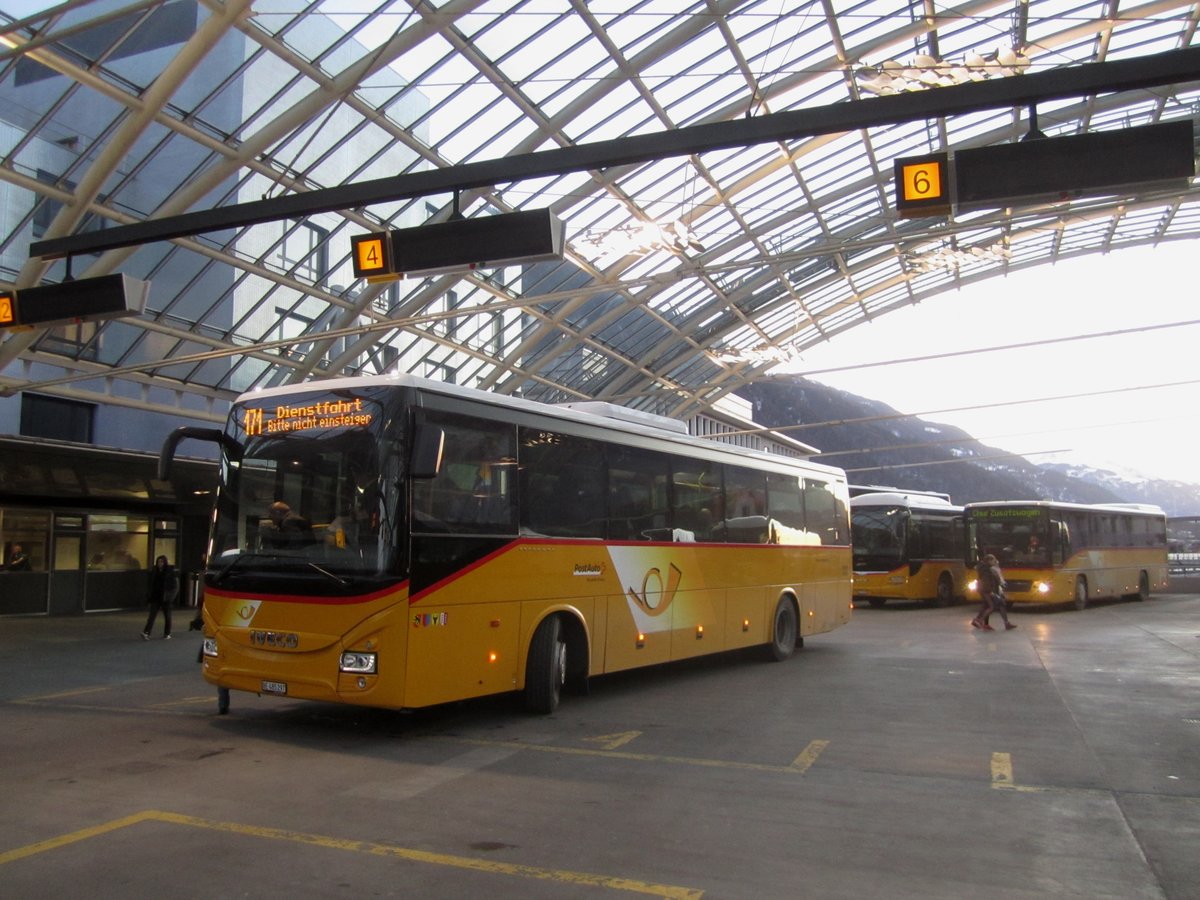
point(274, 687)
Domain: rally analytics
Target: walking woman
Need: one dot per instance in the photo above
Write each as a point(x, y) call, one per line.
point(164, 590)
point(991, 592)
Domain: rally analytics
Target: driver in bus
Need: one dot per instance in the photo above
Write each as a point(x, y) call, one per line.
point(1031, 552)
point(283, 528)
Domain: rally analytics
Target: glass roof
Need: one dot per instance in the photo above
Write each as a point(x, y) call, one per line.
point(683, 277)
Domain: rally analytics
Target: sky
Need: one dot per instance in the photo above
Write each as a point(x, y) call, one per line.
point(1136, 430)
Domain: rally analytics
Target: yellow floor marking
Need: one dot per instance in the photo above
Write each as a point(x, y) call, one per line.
point(809, 755)
point(1002, 775)
point(157, 710)
point(613, 741)
point(626, 755)
point(316, 840)
point(186, 701)
point(73, 837)
point(77, 693)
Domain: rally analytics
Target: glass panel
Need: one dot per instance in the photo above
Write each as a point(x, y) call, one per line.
point(118, 542)
point(562, 485)
point(745, 506)
point(825, 511)
point(68, 550)
point(476, 490)
point(166, 547)
point(698, 500)
point(638, 499)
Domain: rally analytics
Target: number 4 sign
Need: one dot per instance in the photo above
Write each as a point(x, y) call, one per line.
point(371, 255)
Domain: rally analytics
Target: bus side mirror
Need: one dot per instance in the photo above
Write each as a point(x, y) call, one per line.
point(167, 455)
point(429, 441)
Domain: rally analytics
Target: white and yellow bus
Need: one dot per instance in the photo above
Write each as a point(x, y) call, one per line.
point(399, 543)
point(907, 546)
point(1071, 553)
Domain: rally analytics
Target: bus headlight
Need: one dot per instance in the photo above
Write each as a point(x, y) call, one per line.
point(359, 663)
point(210, 646)
point(1042, 587)
point(972, 585)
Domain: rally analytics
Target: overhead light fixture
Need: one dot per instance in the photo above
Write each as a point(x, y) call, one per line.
point(639, 239)
point(763, 354)
point(951, 259)
point(925, 71)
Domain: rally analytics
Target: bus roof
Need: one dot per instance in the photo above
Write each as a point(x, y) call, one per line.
point(856, 489)
point(631, 422)
point(1148, 509)
point(914, 500)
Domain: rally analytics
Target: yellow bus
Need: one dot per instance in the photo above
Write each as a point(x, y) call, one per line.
point(1071, 553)
point(399, 543)
point(908, 545)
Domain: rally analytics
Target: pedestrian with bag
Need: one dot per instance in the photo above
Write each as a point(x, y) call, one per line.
point(164, 591)
point(990, 581)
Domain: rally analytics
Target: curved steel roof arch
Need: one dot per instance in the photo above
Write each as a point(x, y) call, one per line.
point(784, 245)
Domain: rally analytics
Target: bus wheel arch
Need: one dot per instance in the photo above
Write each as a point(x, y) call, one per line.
point(785, 629)
point(1081, 593)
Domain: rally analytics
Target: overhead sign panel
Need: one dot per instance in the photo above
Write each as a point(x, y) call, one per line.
point(1083, 165)
point(459, 245)
point(84, 300)
point(1046, 170)
point(532, 235)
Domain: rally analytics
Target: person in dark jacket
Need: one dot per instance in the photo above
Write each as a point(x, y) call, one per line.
point(164, 590)
point(18, 560)
point(991, 592)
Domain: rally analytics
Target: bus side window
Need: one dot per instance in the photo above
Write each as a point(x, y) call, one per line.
point(825, 513)
point(562, 485)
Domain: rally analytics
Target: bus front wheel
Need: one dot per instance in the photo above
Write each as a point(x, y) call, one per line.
point(945, 590)
point(1081, 593)
point(786, 631)
point(546, 668)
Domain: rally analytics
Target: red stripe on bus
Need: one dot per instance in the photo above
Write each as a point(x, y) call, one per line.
point(303, 598)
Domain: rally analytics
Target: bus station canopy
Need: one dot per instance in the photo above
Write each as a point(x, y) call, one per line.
point(703, 247)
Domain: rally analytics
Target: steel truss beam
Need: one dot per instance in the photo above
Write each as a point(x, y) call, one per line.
point(1172, 67)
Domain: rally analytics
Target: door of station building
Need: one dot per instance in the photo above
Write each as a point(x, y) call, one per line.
point(102, 560)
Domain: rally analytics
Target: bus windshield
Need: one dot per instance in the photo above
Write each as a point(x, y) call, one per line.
point(878, 538)
point(317, 505)
point(1015, 536)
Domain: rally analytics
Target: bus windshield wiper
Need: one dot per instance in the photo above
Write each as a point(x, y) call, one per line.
point(342, 581)
point(237, 560)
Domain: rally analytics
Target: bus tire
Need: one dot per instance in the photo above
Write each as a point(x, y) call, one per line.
point(1081, 593)
point(785, 630)
point(945, 591)
point(546, 667)
point(1143, 592)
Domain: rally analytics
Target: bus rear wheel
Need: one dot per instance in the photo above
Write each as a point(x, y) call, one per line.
point(1081, 593)
point(785, 632)
point(546, 668)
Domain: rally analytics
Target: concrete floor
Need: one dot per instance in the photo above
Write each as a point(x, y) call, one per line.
point(904, 756)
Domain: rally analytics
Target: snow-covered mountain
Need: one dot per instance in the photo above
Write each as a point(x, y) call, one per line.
point(877, 445)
